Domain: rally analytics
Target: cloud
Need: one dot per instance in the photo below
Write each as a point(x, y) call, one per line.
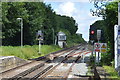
point(80, 14)
point(84, 23)
point(67, 8)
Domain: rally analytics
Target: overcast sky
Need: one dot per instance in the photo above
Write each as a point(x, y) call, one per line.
point(79, 10)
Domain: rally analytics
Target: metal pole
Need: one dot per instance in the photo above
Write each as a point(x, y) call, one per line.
point(95, 58)
point(21, 33)
point(92, 59)
point(39, 47)
point(98, 58)
point(92, 51)
point(98, 55)
point(93, 48)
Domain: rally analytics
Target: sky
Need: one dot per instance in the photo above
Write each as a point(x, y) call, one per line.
point(79, 10)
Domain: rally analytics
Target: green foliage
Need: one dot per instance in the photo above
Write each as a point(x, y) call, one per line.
point(75, 39)
point(28, 51)
point(106, 59)
point(36, 16)
point(113, 74)
point(68, 23)
point(110, 18)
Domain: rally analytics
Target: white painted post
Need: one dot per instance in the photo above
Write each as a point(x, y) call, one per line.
point(115, 42)
point(39, 47)
point(40, 38)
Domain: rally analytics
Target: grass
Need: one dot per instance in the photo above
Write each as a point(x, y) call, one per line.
point(27, 51)
point(113, 73)
point(89, 73)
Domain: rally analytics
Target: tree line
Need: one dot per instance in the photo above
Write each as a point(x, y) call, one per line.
point(36, 16)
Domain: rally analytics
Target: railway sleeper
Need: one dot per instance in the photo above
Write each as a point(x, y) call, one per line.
point(35, 74)
point(20, 75)
point(42, 72)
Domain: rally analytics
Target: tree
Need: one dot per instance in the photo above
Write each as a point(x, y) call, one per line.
point(111, 19)
point(36, 16)
point(11, 29)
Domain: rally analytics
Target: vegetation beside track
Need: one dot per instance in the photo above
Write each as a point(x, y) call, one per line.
point(113, 73)
point(27, 51)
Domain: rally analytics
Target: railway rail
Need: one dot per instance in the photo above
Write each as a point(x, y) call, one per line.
point(44, 67)
point(61, 70)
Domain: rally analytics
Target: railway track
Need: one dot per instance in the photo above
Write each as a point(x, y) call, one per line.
point(61, 70)
point(45, 68)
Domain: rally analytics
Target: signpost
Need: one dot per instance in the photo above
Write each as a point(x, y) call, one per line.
point(103, 47)
point(100, 47)
point(40, 38)
point(97, 47)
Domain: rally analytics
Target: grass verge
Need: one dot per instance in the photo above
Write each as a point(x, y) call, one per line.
point(27, 51)
point(113, 73)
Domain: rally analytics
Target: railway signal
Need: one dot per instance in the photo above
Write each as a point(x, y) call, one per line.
point(92, 35)
point(40, 39)
point(98, 35)
point(92, 32)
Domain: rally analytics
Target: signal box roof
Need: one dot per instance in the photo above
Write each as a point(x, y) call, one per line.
point(61, 33)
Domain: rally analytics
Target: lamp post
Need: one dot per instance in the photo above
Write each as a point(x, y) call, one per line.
point(21, 31)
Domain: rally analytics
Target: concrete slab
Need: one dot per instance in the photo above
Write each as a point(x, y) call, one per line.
point(60, 71)
point(79, 69)
point(8, 62)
